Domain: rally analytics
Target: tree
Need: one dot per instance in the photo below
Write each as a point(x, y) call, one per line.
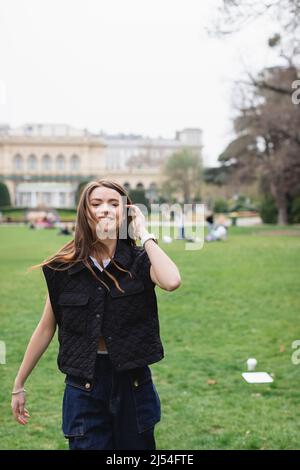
point(4, 195)
point(183, 171)
point(234, 15)
point(138, 196)
point(268, 139)
point(217, 175)
point(79, 191)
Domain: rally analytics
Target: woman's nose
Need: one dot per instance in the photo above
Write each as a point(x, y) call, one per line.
point(104, 210)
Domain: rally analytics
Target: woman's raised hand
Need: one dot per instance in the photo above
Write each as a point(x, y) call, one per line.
point(139, 221)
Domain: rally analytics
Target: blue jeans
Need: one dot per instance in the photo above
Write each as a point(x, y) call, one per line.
point(117, 410)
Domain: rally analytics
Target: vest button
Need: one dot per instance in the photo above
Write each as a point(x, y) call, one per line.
point(136, 382)
point(99, 288)
point(87, 385)
point(98, 316)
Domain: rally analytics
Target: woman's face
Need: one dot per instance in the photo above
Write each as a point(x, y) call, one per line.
point(106, 205)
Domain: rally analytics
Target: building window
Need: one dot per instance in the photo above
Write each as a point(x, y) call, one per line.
point(62, 199)
point(71, 199)
point(24, 199)
point(46, 163)
point(140, 186)
point(75, 163)
point(32, 163)
point(46, 198)
point(60, 163)
point(18, 162)
point(127, 186)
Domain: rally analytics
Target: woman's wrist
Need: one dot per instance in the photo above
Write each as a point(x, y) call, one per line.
point(20, 390)
point(143, 231)
point(147, 236)
point(18, 384)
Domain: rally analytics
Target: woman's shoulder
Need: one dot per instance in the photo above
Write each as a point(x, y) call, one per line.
point(127, 250)
point(54, 266)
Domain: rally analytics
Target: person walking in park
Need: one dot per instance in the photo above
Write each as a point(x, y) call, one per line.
point(101, 296)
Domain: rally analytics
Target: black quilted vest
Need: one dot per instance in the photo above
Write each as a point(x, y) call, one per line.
point(84, 309)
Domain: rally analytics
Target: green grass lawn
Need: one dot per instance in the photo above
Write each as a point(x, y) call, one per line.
point(238, 299)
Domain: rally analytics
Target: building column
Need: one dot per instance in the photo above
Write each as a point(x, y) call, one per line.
point(55, 199)
point(71, 198)
point(33, 199)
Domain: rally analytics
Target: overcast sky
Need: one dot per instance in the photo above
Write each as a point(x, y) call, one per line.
point(140, 66)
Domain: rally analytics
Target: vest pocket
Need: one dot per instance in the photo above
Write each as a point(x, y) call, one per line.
point(130, 307)
point(74, 311)
point(131, 287)
point(146, 399)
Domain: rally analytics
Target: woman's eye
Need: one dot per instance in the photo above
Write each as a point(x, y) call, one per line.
point(112, 205)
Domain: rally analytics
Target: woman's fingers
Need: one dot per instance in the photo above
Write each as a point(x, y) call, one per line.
point(21, 406)
point(19, 417)
point(22, 420)
point(132, 207)
point(15, 411)
point(20, 413)
point(23, 417)
point(136, 212)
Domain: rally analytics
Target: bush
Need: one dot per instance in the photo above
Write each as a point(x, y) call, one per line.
point(79, 190)
point(268, 211)
point(4, 195)
point(243, 203)
point(295, 211)
point(220, 205)
point(5, 209)
point(66, 214)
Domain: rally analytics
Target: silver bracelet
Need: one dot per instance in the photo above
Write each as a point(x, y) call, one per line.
point(18, 391)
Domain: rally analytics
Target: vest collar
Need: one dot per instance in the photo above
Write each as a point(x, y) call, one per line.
point(122, 256)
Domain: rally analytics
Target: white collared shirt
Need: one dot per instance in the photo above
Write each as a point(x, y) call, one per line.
point(105, 262)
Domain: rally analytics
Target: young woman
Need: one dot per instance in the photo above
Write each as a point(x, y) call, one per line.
point(101, 295)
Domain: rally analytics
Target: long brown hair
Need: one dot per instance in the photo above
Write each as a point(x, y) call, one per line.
point(85, 238)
